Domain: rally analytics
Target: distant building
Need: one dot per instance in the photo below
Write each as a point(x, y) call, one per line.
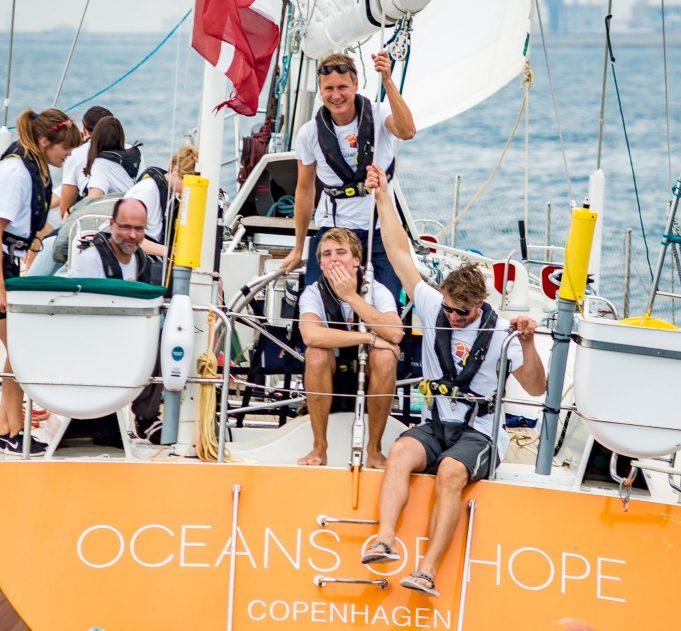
point(648, 17)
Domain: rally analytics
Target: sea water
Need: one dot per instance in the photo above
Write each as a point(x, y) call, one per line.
point(158, 105)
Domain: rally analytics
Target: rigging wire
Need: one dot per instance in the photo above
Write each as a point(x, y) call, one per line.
point(666, 97)
point(9, 61)
point(528, 75)
point(626, 138)
point(135, 67)
point(526, 183)
point(555, 106)
point(604, 84)
point(70, 55)
point(167, 205)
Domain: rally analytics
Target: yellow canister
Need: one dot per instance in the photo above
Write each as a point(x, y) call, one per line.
point(577, 252)
point(190, 221)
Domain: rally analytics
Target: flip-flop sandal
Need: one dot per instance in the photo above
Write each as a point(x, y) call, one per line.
point(379, 552)
point(411, 583)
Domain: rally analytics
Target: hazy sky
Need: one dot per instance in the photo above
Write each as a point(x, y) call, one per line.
point(102, 15)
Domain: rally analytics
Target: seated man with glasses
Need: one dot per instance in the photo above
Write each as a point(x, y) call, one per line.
point(462, 343)
point(117, 254)
point(336, 147)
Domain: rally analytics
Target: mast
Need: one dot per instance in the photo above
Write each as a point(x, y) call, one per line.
point(597, 179)
point(211, 131)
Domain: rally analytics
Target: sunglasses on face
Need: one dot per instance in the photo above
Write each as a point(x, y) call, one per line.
point(339, 68)
point(459, 312)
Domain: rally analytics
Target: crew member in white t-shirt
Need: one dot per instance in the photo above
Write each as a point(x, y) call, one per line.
point(123, 257)
point(455, 442)
point(327, 308)
point(73, 180)
point(155, 188)
point(45, 140)
point(111, 166)
point(336, 147)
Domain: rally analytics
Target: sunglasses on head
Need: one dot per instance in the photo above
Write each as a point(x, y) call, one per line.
point(459, 312)
point(339, 68)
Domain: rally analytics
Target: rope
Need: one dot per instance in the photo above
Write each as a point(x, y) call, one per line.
point(528, 76)
point(135, 67)
point(626, 138)
point(283, 207)
point(207, 367)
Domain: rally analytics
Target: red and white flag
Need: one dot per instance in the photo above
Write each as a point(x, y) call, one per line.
point(238, 37)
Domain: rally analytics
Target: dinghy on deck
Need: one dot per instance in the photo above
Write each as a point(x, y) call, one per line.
point(627, 386)
point(99, 335)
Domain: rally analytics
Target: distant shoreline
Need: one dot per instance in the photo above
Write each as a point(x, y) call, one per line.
point(620, 38)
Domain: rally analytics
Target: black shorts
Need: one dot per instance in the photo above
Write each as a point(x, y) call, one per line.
point(10, 269)
point(465, 444)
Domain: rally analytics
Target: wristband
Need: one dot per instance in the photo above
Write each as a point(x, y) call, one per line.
point(374, 337)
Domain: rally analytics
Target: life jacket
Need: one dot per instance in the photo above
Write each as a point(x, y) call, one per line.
point(345, 377)
point(130, 159)
point(352, 181)
point(454, 383)
point(41, 196)
point(112, 267)
point(159, 176)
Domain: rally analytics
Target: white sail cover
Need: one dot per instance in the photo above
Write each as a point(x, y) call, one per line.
point(462, 52)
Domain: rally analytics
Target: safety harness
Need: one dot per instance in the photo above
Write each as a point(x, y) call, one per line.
point(345, 377)
point(352, 181)
point(111, 265)
point(159, 176)
point(130, 159)
point(41, 195)
point(453, 383)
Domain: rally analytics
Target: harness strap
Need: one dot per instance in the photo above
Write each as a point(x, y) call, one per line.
point(130, 159)
point(334, 314)
point(41, 196)
point(111, 265)
point(159, 176)
point(454, 383)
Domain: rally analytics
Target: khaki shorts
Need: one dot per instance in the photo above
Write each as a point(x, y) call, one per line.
point(463, 443)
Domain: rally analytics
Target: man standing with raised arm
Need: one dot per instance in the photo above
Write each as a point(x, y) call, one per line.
point(462, 339)
point(336, 147)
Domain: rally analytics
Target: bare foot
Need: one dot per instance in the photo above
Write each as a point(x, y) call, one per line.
point(376, 461)
point(313, 459)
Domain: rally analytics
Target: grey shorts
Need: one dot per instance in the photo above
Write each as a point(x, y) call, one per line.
point(465, 444)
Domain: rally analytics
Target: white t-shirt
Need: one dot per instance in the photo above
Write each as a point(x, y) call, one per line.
point(311, 302)
point(428, 303)
point(147, 192)
point(73, 168)
point(110, 177)
point(355, 212)
point(88, 264)
point(16, 188)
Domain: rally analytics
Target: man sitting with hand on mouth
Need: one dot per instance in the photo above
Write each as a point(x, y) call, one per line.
point(329, 309)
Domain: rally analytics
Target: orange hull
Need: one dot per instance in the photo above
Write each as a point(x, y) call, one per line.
point(147, 546)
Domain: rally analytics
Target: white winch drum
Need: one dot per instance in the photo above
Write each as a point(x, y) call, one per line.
point(82, 355)
point(626, 386)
